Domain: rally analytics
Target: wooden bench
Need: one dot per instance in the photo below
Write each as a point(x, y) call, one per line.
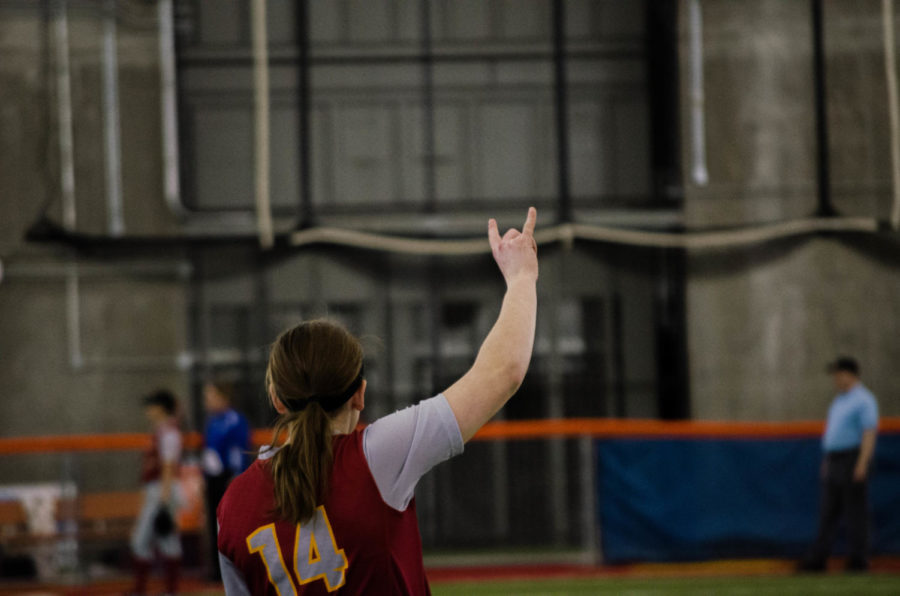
point(13, 521)
point(107, 516)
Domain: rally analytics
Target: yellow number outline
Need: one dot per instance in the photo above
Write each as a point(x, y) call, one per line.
point(259, 549)
point(311, 561)
point(313, 544)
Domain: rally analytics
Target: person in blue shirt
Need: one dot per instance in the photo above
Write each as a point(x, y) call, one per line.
point(226, 453)
point(848, 445)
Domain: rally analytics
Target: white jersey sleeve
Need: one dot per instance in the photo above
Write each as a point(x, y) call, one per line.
point(169, 445)
point(232, 578)
point(401, 447)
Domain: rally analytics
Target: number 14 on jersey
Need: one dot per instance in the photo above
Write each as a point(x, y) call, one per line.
point(316, 555)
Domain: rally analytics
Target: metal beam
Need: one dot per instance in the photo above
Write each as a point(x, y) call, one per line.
point(561, 106)
point(64, 110)
point(112, 124)
point(304, 92)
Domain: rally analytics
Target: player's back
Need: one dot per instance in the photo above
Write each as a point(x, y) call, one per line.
point(354, 544)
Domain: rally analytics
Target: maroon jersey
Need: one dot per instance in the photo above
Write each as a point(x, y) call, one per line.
point(354, 544)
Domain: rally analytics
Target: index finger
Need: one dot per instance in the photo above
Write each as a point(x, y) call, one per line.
point(530, 221)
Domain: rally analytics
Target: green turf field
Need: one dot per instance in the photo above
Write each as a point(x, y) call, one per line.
point(828, 585)
point(842, 585)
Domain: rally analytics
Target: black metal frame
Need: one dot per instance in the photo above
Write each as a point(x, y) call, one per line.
point(429, 135)
point(663, 81)
point(663, 92)
point(825, 207)
point(305, 212)
point(561, 109)
point(660, 52)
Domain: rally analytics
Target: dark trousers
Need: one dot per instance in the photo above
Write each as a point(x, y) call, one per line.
point(215, 490)
point(841, 495)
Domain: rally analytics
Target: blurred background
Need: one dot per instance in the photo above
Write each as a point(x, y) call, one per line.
point(130, 219)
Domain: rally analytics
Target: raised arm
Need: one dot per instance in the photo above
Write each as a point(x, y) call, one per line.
point(503, 359)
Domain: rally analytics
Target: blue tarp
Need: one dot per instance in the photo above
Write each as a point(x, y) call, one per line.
point(692, 499)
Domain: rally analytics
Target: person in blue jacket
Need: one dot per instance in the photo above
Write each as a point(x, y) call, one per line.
point(226, 438)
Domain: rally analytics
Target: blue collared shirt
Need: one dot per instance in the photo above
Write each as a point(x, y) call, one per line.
point(227, 438)
point(851, 413)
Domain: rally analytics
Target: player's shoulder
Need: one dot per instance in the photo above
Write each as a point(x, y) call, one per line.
point(864, 394)
point(168, 427)
point(248, 496)
point(252, 481)
point(348, 454)
point(255, 473)
point(168, 432)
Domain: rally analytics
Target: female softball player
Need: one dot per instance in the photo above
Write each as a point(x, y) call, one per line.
point(155, 528)
point(332, 508)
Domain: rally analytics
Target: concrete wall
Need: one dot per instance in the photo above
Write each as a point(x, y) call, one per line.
point(763, 322)
point(762, 327)
point(131, 331)
point(858, 107)
point(29, 172)
point(81, 338)
point(759, 116)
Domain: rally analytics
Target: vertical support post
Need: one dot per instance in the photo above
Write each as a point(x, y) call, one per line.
point(435, 320)
point(618, 356)
point(428, 132)
point(672, 396)
point(500, 487)
point(427, 509)
point(433, 271)
point(258, 328)
point(825, 207)
point(590, 542)
point(556, 470)
point(890, 71)
point(69, 495)
point(699, 172)
point(198, 330)
point(261, 121)
point(64, 110)
point(385, 307)
point(304, 92)
point(673, 383)
point(73, 317)
point(169, 107)
point(112, 123)
point(561, 110)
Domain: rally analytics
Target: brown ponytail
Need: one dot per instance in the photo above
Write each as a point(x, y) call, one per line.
point(315, 358)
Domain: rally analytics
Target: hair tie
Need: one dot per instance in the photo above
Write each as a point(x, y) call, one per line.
point(329, 403)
